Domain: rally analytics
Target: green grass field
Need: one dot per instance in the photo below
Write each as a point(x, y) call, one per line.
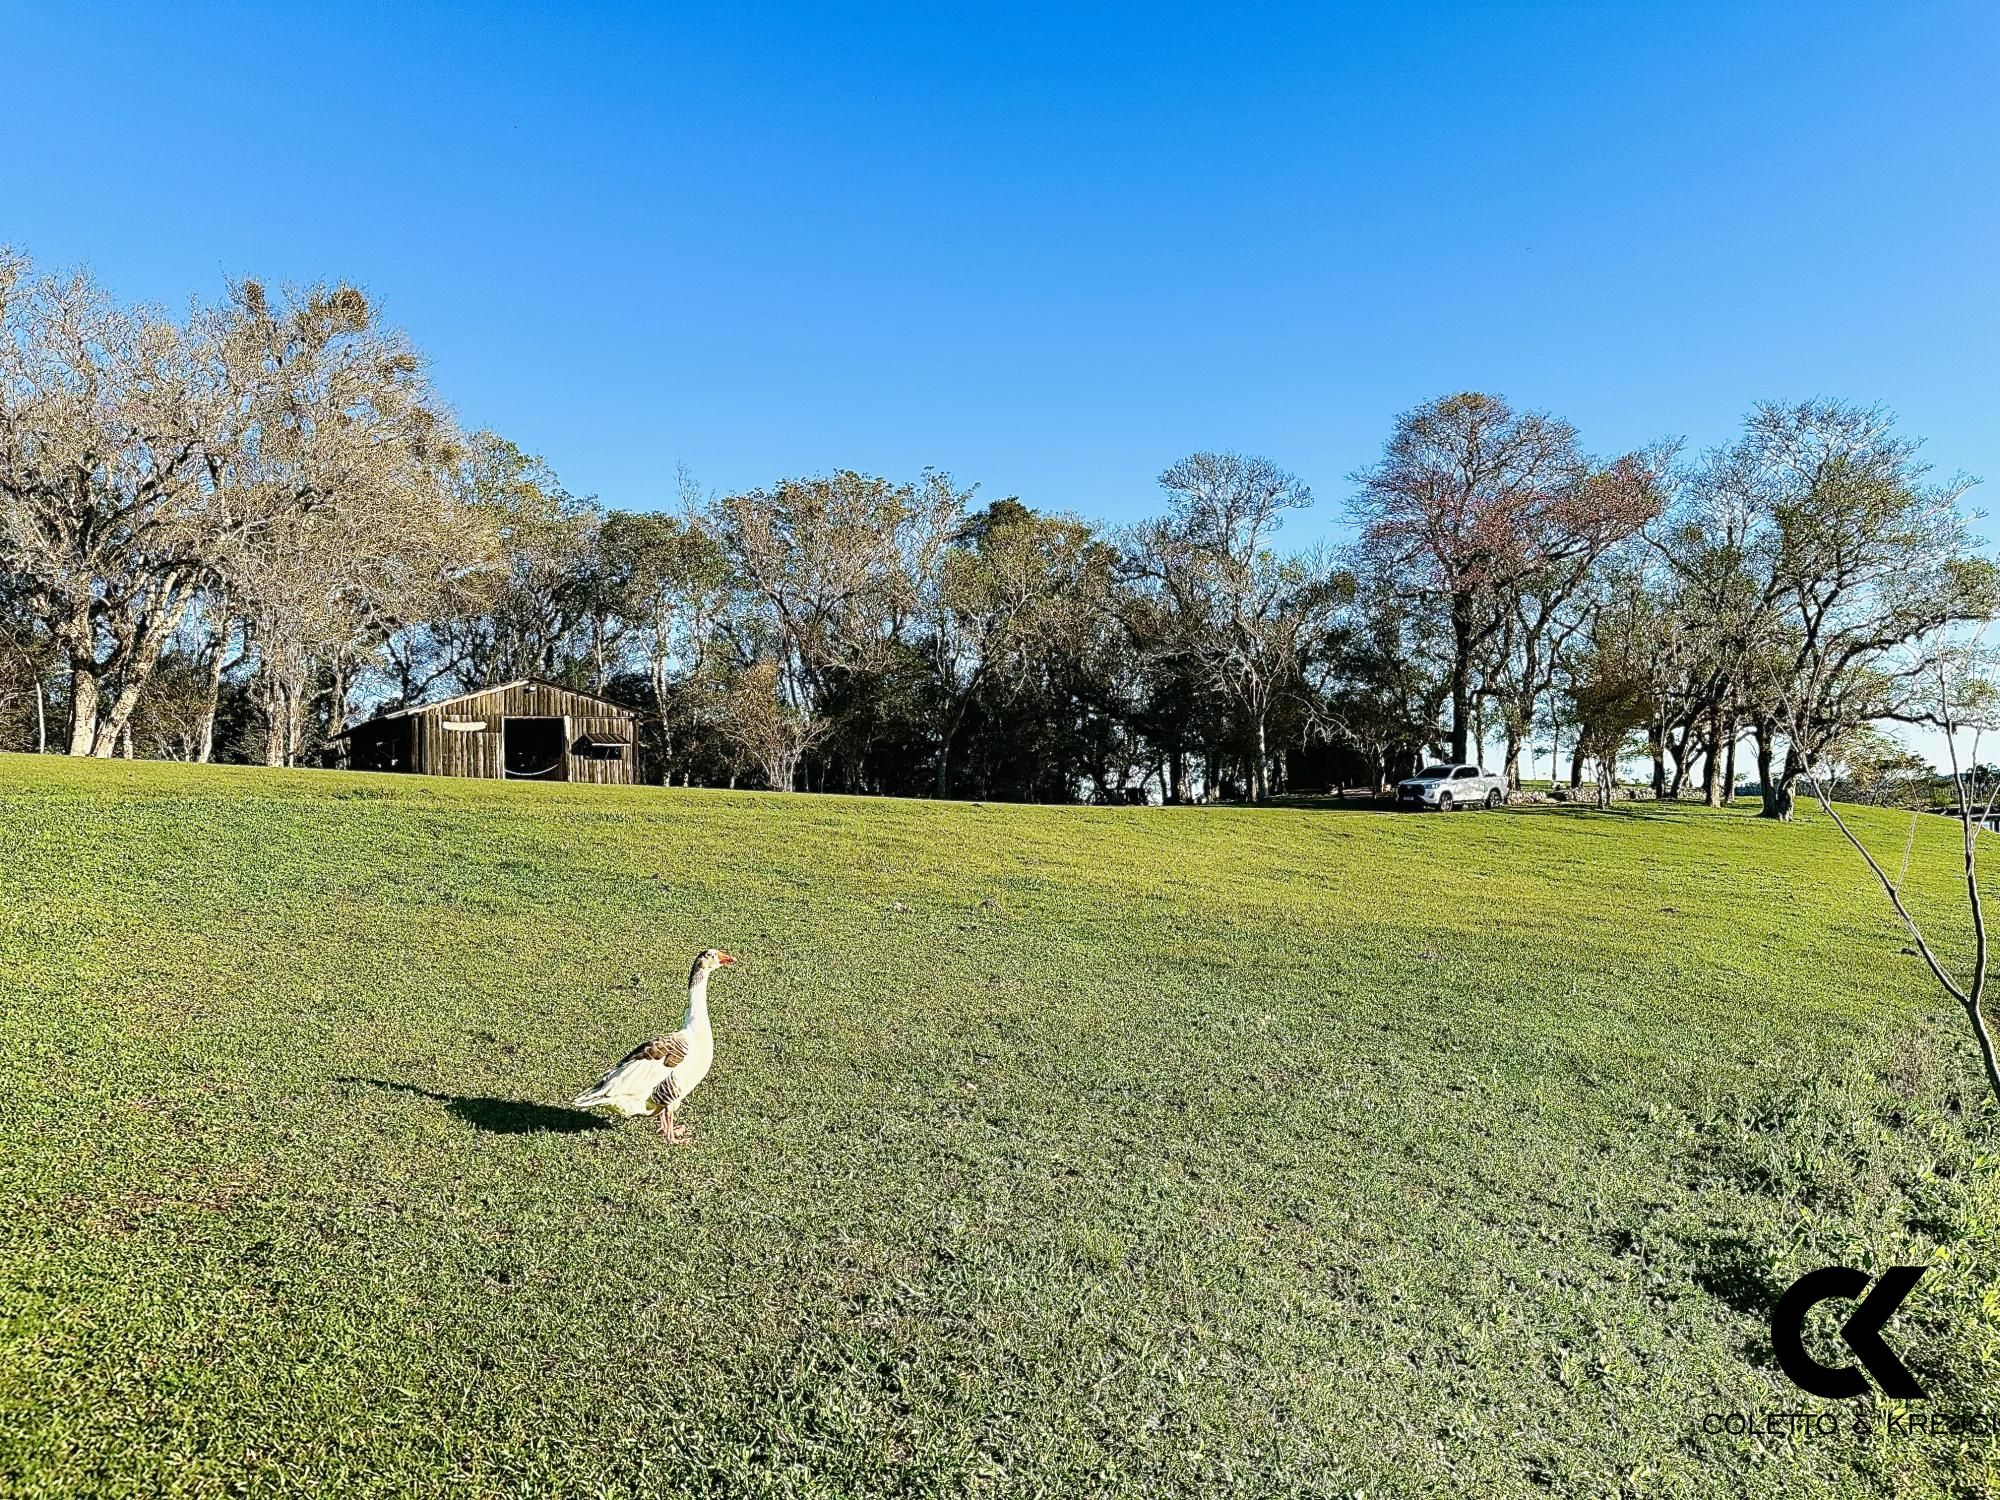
point(1048, 1151)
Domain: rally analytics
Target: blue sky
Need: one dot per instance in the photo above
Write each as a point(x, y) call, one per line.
point(1053, 249)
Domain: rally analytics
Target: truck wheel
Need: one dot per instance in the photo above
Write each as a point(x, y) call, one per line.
point(1493, 800)
point(1444, 801)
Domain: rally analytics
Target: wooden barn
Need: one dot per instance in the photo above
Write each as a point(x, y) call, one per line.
point(519, 731)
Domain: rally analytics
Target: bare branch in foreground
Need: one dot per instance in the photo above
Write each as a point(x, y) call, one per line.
point(1970, 997)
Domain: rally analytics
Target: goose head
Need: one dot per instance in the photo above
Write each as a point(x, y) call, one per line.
point(706, 963)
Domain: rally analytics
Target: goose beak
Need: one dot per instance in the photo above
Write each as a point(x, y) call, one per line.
point(721, 957)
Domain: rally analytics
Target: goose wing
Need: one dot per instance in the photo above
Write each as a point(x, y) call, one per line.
point(637, 1073)
point(671, 1050)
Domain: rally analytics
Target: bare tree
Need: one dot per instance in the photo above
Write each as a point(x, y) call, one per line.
point(668, 577)
point(833, 568)
point(1249, 619)
point(1959, 703)
point(1545, 604)
point(1857, 558)
point(147, 465)
point(1495, 516)
point(771, 731)
point(337, 457)
point(107, 420)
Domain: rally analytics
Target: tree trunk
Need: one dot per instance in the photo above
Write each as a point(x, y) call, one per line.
point(118, 723)
point(336, 706)
point(1513, 759)
point(1260, 776)
point(1656, 745)
point(1778, 799)
point(947, 734)
point(1682, 756)
point(274, 718)
point(205, 735)
point(205, 742)
point(1576, 766)
point(1729, 770)
point(1779, 793)
point(140, 654)
point(83, 700)
point(1461, 675)
point(1711, 765)
point(41, 718)
point(294, 724)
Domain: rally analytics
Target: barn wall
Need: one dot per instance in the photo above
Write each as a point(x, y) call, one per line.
point(446, 752)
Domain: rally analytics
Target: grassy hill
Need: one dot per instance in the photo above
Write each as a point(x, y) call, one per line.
point(1048, 1151)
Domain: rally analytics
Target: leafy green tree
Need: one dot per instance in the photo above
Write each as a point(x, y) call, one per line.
point(1383, 688)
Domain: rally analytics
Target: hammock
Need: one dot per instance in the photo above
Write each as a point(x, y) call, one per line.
point(531, 775)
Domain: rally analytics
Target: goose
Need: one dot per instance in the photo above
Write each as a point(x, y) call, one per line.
point(656, 1077)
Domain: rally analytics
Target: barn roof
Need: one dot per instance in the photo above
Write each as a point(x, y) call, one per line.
point(499, 687)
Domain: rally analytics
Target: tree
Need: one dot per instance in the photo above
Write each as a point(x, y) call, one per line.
point(831, 568)
point(1380, 690)
point(1853, 560)
point(1547, 602)
point(1632, 609)
point(1496, 517)
point(1610, 688)
point(774, 733)
point(1719, 617)
point(150, 468)
point(1008, 585)
point(339, 457)
point(1249, 620)
point(108, 421)
point(524, 603)
point(1868, 766)
point(666, 575)
point(26, 660)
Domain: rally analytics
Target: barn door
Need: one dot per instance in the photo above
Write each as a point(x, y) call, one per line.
point(534, 749)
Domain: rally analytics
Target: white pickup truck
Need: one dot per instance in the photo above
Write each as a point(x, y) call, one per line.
point(1449, 787)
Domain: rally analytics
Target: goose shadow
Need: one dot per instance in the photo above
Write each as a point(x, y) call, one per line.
point(498, 1116)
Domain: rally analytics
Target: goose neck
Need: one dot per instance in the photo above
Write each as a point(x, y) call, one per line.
point(697, 1011)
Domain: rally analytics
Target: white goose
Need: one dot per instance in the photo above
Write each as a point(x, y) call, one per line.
point(656, 1077)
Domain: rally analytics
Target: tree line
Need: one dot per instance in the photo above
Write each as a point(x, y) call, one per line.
point(225, 533)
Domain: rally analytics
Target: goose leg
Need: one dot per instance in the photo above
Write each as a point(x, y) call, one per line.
point(667, 1126)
